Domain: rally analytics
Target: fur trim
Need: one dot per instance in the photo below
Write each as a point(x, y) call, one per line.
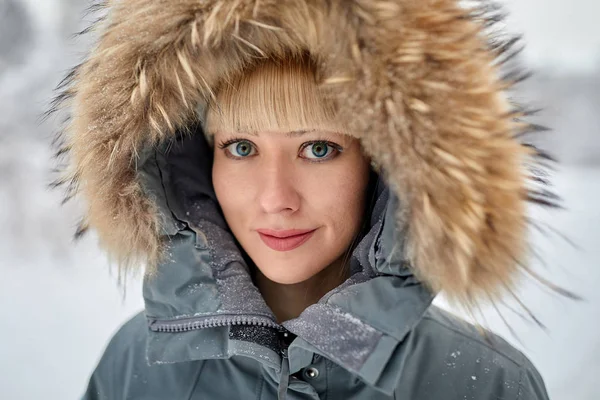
point(417, 81)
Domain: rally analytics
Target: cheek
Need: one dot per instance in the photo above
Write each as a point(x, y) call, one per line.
point(341, 198)
point(231, 188)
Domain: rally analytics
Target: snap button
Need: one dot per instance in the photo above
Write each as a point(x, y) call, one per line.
point(311, 373)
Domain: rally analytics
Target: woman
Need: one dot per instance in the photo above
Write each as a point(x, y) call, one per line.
point(300, 179)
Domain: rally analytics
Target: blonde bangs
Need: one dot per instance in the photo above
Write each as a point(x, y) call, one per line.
point(274, 96)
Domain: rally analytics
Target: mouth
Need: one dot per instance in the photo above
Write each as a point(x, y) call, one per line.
point(285, 240)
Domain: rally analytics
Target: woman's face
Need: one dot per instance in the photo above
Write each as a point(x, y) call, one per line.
point(294, 200)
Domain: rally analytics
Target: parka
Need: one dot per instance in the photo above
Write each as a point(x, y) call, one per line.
point(419, 83)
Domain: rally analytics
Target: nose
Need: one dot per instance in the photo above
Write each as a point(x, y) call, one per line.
point(278, 190)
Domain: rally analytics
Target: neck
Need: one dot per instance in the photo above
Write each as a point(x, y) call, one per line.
point(287, 301)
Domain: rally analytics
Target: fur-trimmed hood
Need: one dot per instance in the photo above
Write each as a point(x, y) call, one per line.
point(418, 82)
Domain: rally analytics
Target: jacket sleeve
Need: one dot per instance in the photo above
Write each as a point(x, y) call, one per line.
point(98, 387)
point(531, 385)
point(104, 381)
point(448, 359)
point(108, 381)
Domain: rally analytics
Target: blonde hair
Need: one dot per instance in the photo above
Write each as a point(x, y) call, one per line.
point(274, 95)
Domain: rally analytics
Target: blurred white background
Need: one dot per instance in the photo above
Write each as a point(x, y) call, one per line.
point(60, 302)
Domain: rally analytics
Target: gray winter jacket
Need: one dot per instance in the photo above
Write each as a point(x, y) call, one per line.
point(206, 332)
point(419, 84)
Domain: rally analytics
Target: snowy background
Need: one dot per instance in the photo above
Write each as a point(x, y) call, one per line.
point(60, 303)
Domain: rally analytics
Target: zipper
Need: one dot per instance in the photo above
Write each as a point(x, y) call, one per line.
point(190, 324)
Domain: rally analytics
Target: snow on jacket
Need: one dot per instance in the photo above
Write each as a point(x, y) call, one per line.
point(418, 83)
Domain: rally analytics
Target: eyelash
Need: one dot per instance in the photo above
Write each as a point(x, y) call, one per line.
point(227, 143)
point(337, 148)
point(223, 145)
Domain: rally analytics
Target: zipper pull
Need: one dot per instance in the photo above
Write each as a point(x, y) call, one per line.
point(284, 378)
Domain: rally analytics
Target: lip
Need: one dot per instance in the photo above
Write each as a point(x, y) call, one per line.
point(285, 240)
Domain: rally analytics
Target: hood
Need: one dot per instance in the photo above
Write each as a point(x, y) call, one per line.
point(418, 82)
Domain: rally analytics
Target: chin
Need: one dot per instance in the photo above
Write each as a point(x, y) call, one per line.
point(287, 273)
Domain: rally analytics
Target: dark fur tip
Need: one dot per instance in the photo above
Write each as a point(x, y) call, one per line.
point(82, 229)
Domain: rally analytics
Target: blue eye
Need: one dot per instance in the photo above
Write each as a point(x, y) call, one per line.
point(242, 148)
point(319, 150)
